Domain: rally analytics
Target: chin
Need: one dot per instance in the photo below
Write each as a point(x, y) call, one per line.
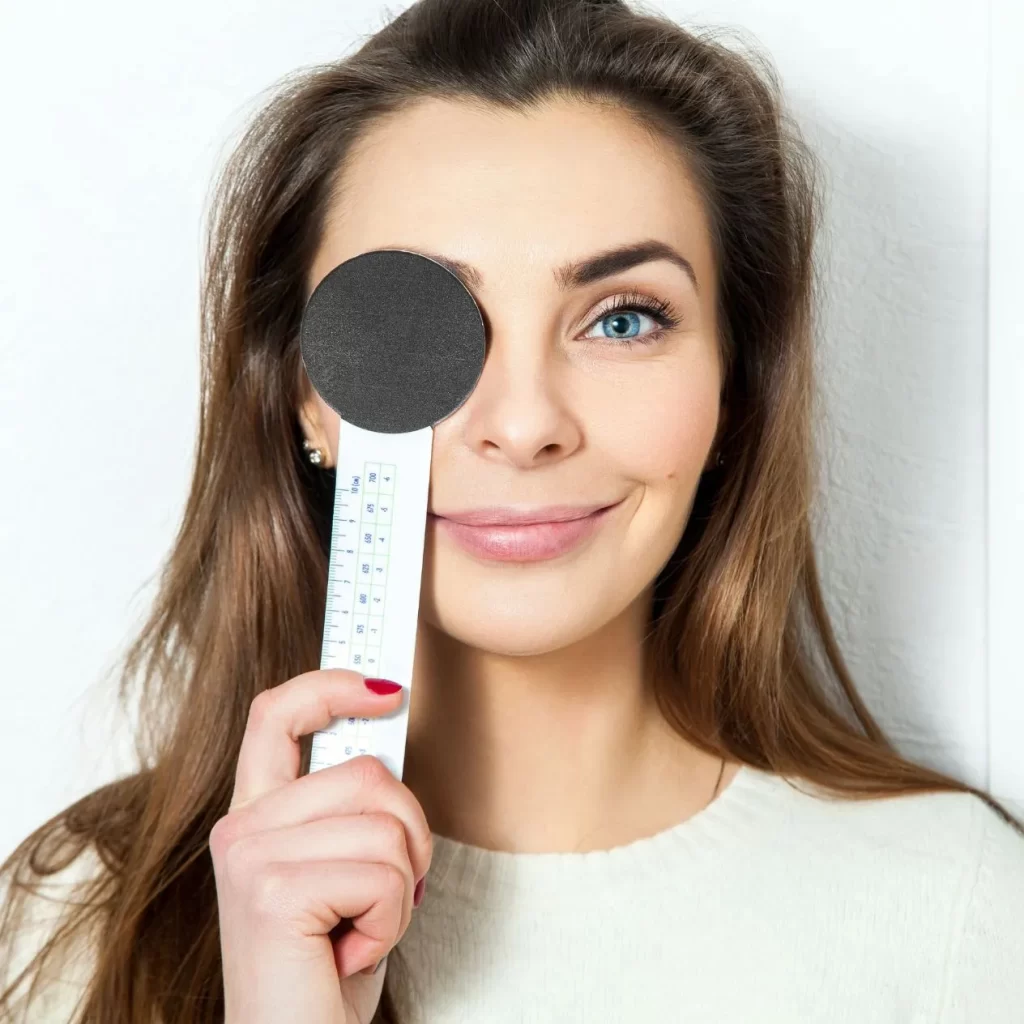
point(511, 635)
point(517, 617)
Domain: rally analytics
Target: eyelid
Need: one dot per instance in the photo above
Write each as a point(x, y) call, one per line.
point(661, 310)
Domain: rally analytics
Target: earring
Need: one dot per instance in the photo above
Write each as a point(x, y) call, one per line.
point(716, 464)
point(316, 455)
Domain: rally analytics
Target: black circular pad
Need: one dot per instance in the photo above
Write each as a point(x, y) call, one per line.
point(392, 341)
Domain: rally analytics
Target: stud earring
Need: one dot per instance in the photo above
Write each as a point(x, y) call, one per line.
point(315, 455)
point(717, 463)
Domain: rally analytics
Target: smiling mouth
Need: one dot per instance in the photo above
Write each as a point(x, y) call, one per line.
point(522, 535)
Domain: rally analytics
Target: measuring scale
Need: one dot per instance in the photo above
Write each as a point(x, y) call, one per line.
point(380, 510)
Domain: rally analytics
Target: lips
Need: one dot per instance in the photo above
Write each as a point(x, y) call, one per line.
point(522, 535)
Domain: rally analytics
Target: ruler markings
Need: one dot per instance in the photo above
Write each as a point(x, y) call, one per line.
point(356, 595)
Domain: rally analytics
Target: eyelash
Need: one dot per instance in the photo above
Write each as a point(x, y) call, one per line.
point(659, 310)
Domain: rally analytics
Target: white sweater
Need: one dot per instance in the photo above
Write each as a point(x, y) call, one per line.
point(773, 905)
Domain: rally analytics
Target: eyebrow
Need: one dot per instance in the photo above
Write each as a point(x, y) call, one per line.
point(576, 273)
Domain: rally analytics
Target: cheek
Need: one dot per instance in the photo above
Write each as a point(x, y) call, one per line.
point(659, 432)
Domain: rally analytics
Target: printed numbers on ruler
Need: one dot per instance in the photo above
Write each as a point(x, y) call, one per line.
point(357, 588)
point(372, 566)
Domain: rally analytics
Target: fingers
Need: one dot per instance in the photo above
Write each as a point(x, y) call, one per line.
point(270, 754)
point(315, 875)
point(311, 896)
point(369, 838)
point(361, 786)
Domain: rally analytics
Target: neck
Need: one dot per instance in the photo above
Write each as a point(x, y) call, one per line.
point(564, 750)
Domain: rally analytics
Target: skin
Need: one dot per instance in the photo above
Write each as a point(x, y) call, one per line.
point(525, 672)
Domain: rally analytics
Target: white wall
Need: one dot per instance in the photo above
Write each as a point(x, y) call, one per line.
point(116, 115)
point(1006, 410)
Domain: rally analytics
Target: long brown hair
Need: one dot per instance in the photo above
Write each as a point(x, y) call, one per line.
point(738, 611)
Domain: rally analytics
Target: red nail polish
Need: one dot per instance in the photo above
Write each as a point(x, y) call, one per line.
point(417, 896)
point(382, 686)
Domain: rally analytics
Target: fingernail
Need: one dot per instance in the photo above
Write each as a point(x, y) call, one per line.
point(382, 686)
point(417, 895)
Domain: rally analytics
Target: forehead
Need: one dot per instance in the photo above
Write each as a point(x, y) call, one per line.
point(507, 191)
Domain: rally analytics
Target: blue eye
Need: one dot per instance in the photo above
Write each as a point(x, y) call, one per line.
point(622, 321)
point(623, 325)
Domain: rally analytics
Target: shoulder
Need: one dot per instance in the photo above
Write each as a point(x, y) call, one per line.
point(985, 978)
point(52, 990)
point(947, 870)
point(947, 829)
point(951, 835)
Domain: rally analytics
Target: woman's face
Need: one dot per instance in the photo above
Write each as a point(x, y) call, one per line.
point(576, 406)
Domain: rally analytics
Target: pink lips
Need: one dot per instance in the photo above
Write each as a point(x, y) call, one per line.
point(521, 535)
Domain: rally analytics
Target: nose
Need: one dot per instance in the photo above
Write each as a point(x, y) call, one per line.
point(519, 411)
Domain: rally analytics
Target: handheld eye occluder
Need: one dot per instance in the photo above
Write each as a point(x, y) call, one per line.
point(394, 343)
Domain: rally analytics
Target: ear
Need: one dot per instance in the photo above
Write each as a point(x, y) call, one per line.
point(723, 420)
point(723, 424)
point(310, 414)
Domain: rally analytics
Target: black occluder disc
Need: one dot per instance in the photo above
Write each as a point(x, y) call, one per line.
point(392, 341)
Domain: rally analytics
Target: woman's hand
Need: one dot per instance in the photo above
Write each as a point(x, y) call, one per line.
point(295, 857)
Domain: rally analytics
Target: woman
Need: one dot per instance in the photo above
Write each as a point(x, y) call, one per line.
point(639, 781)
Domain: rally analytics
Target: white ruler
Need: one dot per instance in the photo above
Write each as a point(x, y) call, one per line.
point(373, 583)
